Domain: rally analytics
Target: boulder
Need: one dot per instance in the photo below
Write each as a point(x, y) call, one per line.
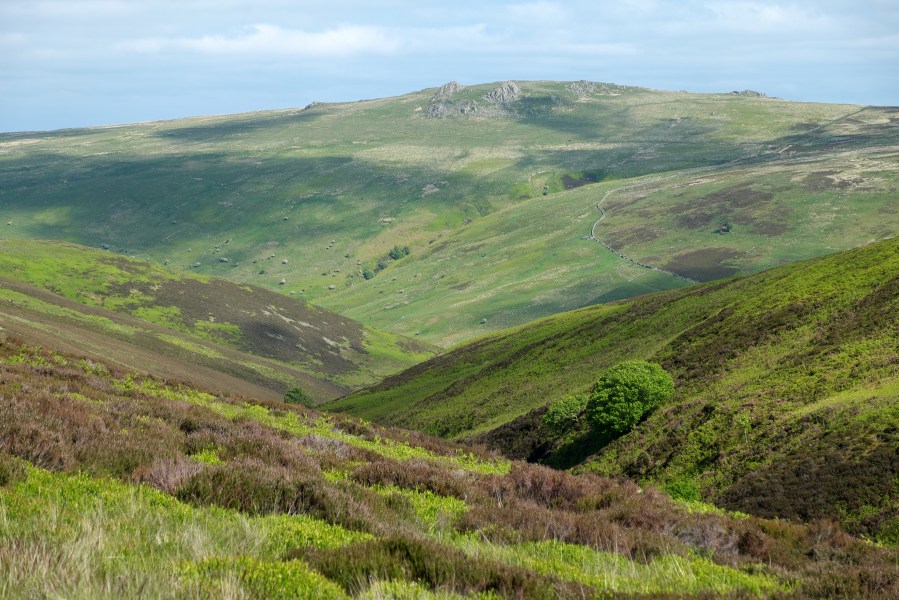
point(447, 90)
point(506, 93)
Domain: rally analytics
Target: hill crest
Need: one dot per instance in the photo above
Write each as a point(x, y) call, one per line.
point(334, 188)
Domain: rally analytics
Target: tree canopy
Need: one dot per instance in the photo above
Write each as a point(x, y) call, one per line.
point(627, 392)
point(298, 395)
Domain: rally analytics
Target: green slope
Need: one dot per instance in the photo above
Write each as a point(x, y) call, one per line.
point(478, 197)
point(90, 298)
point(787, 389)
point(115, 484)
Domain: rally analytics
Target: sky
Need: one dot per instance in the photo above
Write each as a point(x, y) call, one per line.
point(73, 63)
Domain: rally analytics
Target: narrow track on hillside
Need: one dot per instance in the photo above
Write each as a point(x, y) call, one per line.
point(607, 246)
point(737, 162)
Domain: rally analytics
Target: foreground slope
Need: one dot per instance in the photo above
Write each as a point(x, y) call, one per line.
point(115, 484)
point(787, 389)
point(189, 326)
point(498, 180)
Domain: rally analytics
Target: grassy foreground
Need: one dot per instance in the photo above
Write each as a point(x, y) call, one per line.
point(786, 404)
point(119, 485)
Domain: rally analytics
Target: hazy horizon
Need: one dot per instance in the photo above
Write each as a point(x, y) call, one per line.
point(107, 62)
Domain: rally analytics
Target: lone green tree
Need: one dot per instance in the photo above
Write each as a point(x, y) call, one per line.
point(298, 395)
point(627, 392)
point(565, 413)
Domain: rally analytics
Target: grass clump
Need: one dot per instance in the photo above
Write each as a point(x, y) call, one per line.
point(436, 566)
point(275, 580)
point(609, 572)
point(12, 470)
point(72, 535)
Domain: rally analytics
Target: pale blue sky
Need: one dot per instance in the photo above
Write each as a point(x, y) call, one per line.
point(69, 63)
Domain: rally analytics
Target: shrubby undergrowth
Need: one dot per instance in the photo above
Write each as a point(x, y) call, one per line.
point(154, 486)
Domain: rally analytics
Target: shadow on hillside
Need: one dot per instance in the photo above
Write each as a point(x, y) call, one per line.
point(238, 126)
point(525, 438)
point(141, 202)
point(871, 126)
point(574, 451)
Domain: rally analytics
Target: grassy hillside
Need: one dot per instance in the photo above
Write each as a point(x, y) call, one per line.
point(190, 326)
point(787, 387)
point(114, 484)
point(502, 186)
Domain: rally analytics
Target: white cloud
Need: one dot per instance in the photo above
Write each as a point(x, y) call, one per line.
point(766, 17)
point(345, 40)
point(470, 39)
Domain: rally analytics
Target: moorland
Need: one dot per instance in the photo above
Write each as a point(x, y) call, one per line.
point(493, 188)
point(352, 350)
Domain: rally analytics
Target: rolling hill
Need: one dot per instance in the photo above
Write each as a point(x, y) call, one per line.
point(494, 189)
point(144, 450)
point(225, 336)
point(787, 386)
point(117, 484)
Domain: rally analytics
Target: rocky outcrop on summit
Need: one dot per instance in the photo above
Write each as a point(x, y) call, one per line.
point(581, 88)
point(506, 100)
point(584, 88)
point(506, 93)
point(447, 90)
point(749, 94)
point(442, 105)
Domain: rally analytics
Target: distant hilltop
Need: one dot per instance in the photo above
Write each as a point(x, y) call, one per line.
point(749, 94)
point(454, 99)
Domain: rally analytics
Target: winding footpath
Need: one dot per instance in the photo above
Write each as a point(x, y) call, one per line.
point(743, 161)
point(602, 215)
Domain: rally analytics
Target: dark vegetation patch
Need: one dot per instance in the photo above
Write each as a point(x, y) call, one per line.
point(439, 567)
point(868, 316)
point(739, 205)
point(522, 438)
point(319, 344)
point(12, 471)
point(570, 182)
point(705, 349)
point(706, 264)
point(138, 344)
point(819, 181)
point(438, 247)
point(413, 475)
point(526, 438)
point(823, 181)
point(472, 248)
point(270, 324)
point(257, 487)
point(850, 132)
point(621, 238)
point(833, 471)
point(770, 227)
